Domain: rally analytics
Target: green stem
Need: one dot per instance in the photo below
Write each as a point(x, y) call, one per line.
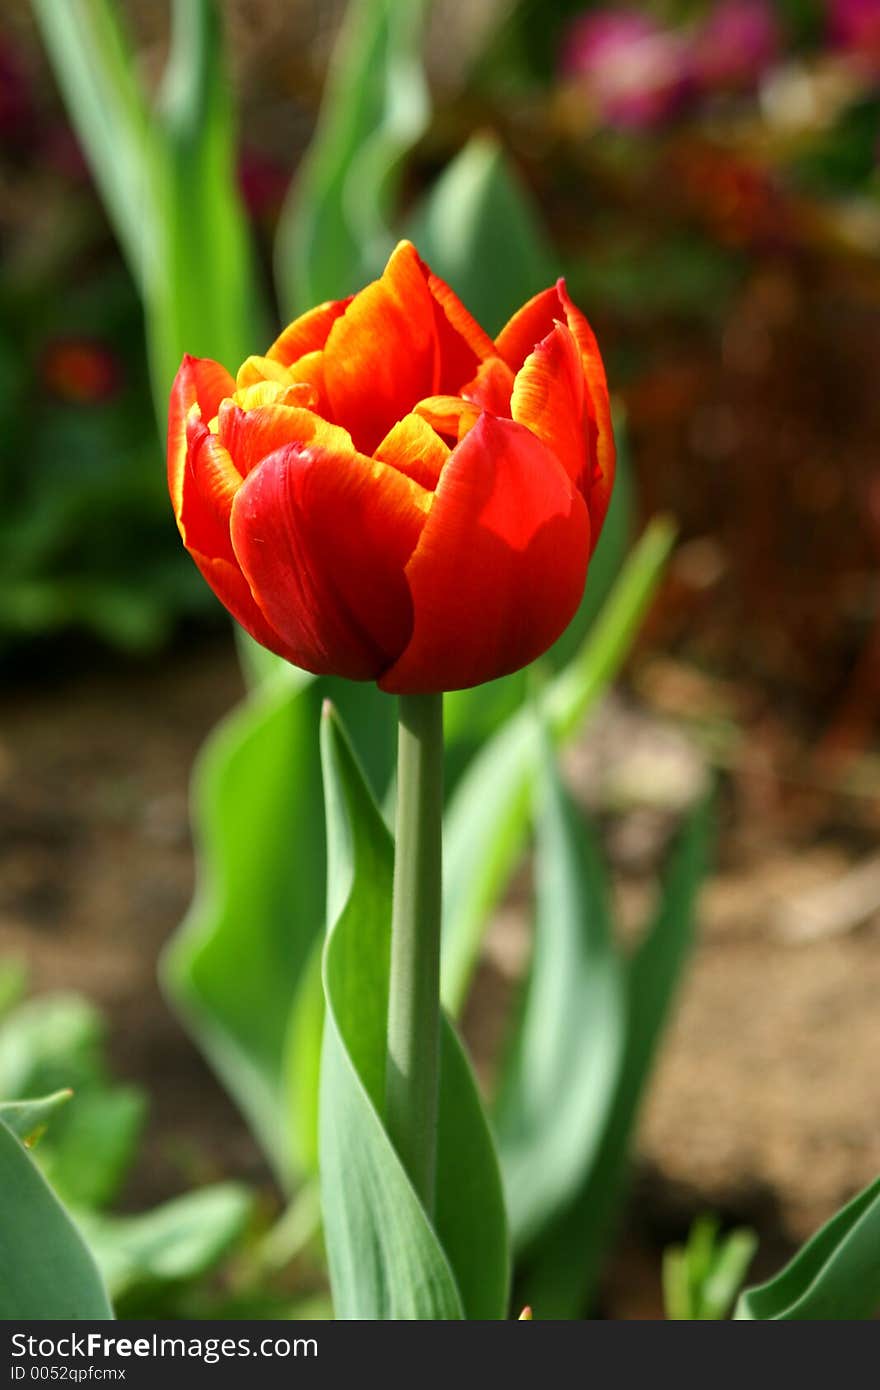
point(413, 1071)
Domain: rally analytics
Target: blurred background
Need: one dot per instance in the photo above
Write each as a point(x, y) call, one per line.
point(708, 176)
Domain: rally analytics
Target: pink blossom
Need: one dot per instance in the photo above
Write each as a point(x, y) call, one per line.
point(737, 42)
point(634, 70)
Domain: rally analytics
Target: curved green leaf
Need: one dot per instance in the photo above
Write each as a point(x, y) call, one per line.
point(559, 1084)
point(47, 1271)
point(238, 968)
point(28, 1118)
point(387, 1259)
point(173, 1243)
point(565, 1263)
point(333, 234)
point(836, 1276)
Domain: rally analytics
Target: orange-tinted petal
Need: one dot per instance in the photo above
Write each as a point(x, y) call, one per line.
point(414, 448)
point(381, 355)
point(250, 435)
point(209, 484)
point(323, 537)
point(517, 340)
point(500, 566)
point(308, 333)
point(462, 343)
point(449, 415)
point(491, 387)
point(201, 382)
point(548, 398)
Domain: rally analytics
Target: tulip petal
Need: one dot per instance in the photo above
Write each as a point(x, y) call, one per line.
point(251, 435)
point(462, 343)
point(491, 387)
point(323, 537)
point(202, 382)
point(308, 333)
point(381, 355)
point(209, 484)
point(548, 398)
point(518, 339)
point(414, 448)
point(448, 415)
point(500, 566)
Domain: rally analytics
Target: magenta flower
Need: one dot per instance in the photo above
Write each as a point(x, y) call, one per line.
point(854, 27)
point(635, 71)
point(736, 43)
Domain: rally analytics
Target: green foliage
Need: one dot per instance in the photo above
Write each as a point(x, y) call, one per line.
point(334, 233)
point(387, 1259)
point(55, 1043)
point(478, 215)
point(47, 1270)
point(167, 177)
point(237, 968)
point(487, 816)
point(559, 1081)
point(561, 1266)
point(836, 1276)
point(149, 1257)
point(702, 1278)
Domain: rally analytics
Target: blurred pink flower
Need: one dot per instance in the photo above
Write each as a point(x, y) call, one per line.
point(854, 27)
point(737, 42)
point(635, 70)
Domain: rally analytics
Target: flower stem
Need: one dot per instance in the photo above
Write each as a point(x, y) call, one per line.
point(413, 1070)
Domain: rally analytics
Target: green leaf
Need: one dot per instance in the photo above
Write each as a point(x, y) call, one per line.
point(702, 1278)
point(487, 817)
point(557, 1089)
point(238, 969)
point(387, 1259)
point(565, 1263)
point(55, 1043)
point(836, 1276)
point(333, 234)
point(28, 1118)
point(478, 230)
point(173, 1244)
point(54, 1273)
point(203, 295)
point(95, 70)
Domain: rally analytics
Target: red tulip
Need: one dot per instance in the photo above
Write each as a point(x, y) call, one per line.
point(389, 495)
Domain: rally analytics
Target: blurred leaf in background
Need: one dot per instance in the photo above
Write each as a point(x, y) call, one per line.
point(702, 1278)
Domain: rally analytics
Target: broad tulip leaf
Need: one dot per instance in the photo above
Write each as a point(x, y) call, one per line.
point(333, 234)
point(476, 216)
point(172, 1244)
point(487, 816)
point(387, 1259)
point(836, 1276)
point(48, 1273)
point(238, 966)
point(565, 1262)
point(559, 1084)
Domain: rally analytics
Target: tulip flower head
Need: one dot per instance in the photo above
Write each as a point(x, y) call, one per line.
point(387, 494)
